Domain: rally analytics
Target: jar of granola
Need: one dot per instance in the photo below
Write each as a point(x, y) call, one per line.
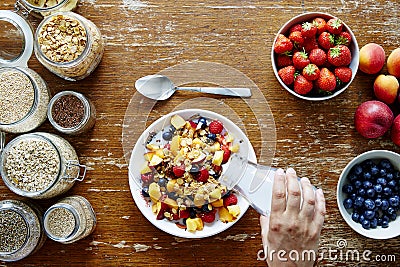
point(69, 220)
point(45, 7)
point(21, 229)
point(40, 165)
point(69, 45)
point(23, 92)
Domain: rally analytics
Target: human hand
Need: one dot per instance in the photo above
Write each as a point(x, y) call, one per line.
point(291, 232)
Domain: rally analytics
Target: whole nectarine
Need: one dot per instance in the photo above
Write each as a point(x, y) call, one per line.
point(386, 88)
point(372, 58)
point(393, 63)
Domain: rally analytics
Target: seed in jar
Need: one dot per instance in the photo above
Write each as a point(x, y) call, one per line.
point(60, 223)
point(68, 111)
point(16, 96)
point(62, 38)
point(13, 231)
point(32, 165)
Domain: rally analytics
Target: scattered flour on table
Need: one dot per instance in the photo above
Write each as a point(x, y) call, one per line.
point(141, 247)
point(133, 4)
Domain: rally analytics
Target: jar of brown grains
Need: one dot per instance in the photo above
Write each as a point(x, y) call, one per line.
point(24, 94)
point(69, 45)
point(45, 7)
point(40, 165)
point(69, 220)
point(21, 229)
point(71, 113)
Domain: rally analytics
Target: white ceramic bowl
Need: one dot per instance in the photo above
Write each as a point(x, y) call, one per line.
point(378, 233)
point(353, 48)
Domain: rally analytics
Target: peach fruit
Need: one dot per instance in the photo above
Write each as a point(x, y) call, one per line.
point(386, 88)
point(372, 58)
point(393, 63)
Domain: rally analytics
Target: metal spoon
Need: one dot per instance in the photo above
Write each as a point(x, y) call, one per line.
point(159, 87)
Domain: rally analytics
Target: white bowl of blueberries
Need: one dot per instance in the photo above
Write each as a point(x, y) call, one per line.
point(368, 194)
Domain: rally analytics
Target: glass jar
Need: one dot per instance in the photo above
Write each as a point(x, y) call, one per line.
point(69, 220)
point(23, 92)
point(69, 45)
point(40, 165)
point(45, 7)
point(71, 113)
point(21, 229)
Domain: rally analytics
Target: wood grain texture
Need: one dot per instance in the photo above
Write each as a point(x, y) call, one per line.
point(145, 37)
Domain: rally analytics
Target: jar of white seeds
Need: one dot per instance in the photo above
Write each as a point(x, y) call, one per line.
point(45, 7)
point(40, 165)
point(24, 94)
point(69, 220)
point(69, 45)
point(21, 229)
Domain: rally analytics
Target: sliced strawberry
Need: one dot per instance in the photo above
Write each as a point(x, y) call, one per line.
point(183, 214)
point(216, 127)
point(147, 177)
point(203, 175)
point(230, 199)
point(216, 168)
point(227, 154)
point(178, 171)
point(208, 217)
point(164, 208)
point(193, 124)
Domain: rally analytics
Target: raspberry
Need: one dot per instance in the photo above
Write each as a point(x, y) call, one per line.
point(216, 127)
point(208, 217)
point(147, 177)
point(184, 214)
point(227, 154)
point(203, 175)
point(179, 171)
point(193, 124)
point(230, 199)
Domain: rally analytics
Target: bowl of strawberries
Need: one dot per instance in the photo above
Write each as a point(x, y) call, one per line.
point(315, 56)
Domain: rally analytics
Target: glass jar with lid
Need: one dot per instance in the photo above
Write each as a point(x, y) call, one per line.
point(21, 229)
point(71, 112)
point(45, 7)
point(69, 45)
point(40, 165)
point(24, 94)
point(69, 220)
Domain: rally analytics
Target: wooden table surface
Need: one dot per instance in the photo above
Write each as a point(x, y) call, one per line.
point(318, 139)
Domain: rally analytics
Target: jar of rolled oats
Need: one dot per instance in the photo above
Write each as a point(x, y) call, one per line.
point(44, 7)
point(21, 229)
point(69, 45)
point(40, 165)
point(24, 94)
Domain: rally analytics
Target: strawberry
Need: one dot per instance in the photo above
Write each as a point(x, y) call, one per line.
point(300, 60)
point(311, 72)
point(282, 44)
point(147, 177)
point(320, 23)
point(178, 171)
point(287, 74)
point(326, 80)
point(344, 38)
point(226, 155)
point(208, 217)
point(326, 40)
point(183, 214)
point(164, 208)
point(343, 74)
point(318, 57)
point(339, 55)
point(297, 38)
point(334, 26)
point(295, 28)
point(283, 60)
point(302, 86)
point(216, 127)
point(308, 30)
point(193, 124)
point(203, 175)
point(230, 199)
point(310, 44)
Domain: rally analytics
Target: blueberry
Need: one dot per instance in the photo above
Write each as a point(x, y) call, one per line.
point(386, 164)
point(387, 191)
point(385, 205)
point(203, 122)
point(369, 214)
point(353, 196)
point(374, 223)
point(145, 191)
point(371, 192)
point(392, 183)
point(385, 224)
point(367, 176)
point(355, 217)
point(348, 203)
point(162, 182)
point(192, 213)
point(167, 136)
point(367, 184)
point(397, 197)
point(353, 177)
point(379, 222)
point(383, 172)
point(393, 216)
point(366, 224)
point(378, 202)
point(172, 129)
point(216, 175)
point(361, 192)
point(172, 195)
point(212, 136)
point(369, 204)
point(390, 211)
point(374, 170)
point(394, 202)
point(205, 208)
point(194, 170)
point(358, 170)
point(367, 163)
point(357, 184)
point(348, 189)
point(378, 188)
point(381, 181)
point(359, 201)
point(361, 219)
point(389, 176)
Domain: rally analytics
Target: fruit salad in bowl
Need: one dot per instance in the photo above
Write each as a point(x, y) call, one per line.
point(315, 56)
point(175, 170)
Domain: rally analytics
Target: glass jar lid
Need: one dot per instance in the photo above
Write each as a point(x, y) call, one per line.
point(16, 40)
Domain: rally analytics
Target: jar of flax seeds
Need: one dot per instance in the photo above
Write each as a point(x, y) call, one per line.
point(21, 229)
point(69, 220)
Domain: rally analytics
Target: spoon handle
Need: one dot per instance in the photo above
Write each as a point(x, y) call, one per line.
point(241, 92)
